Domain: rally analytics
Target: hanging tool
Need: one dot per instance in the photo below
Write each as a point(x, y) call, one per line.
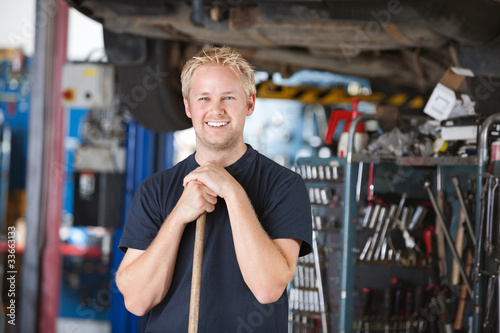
point(194, 302)
point(489, 319)
point(463, 206)
point(420, 322)
point(441, 247)
point(374, 216)
point(383, 232)
point(409, 304)
point(375, 237)
point(459, 318)
point(492, 186)
point(431, 255)
point(398, 301)
point(359, 182)
point(479, 245)
point(459, 243)
point(365, 305)
point(447, 236)
point(387, 308)
point(417, 217)
point(371, 188)
point(368, 214)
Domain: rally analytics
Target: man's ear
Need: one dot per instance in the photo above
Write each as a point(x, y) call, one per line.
point(251, 105)
point(186, 107)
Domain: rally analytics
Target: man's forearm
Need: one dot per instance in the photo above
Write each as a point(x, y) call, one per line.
point(266, 265)
point(144, 280)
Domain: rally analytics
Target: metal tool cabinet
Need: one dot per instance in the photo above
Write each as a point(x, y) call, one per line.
point(342, 238)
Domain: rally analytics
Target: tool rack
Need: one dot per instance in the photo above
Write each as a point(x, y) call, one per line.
point(338, 209)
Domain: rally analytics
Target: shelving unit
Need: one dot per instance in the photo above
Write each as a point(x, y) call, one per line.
point(348, 279)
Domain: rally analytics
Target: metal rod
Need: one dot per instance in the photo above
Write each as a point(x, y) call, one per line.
point(481, 169)
point(447, 236)
point(464, 208)
point(194, 302)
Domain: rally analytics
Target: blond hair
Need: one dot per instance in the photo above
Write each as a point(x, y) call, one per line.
point(222, 56)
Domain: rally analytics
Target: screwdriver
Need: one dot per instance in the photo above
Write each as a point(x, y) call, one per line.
point(365, 304)
point(388, 304)
point(409, 303)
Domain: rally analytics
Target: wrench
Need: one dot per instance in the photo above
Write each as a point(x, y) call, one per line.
point(489, 220)
point(490, 296)
point(387, 222)
point(376, 234)
point(477, 253)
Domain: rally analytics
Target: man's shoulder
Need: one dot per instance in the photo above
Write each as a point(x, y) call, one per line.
point(272, 167)
point(175, 172)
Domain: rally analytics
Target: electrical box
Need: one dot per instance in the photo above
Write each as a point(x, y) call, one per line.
point(88, 85)
point(98, 186)
point(97, 199)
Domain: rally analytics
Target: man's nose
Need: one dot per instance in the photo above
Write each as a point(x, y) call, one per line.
point(217, 107)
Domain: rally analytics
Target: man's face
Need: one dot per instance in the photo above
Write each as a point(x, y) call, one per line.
point(218, 107)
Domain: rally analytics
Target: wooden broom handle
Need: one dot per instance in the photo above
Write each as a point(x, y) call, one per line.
point(194, 302)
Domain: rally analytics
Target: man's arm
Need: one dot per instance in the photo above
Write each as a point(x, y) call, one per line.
point(266, 265)
point(144, 277)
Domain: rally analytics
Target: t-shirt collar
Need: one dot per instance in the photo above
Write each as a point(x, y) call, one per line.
point(238, 168)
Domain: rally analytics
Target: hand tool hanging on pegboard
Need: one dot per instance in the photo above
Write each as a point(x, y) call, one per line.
point(363, 323)
point(464, 209)
point(477, 263)
point(441, 247)
point(462, 300)
point(459, 245)
point(446, 234)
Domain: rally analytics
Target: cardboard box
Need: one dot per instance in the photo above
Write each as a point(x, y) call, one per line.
point(445, 102)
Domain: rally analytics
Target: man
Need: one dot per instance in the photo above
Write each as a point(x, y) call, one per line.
point(258, 216)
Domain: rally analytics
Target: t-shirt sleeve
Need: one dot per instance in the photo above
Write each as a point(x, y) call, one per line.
point(143, 219)
point(289, 213)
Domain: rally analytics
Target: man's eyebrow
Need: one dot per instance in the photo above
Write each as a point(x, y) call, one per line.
point(205, 93)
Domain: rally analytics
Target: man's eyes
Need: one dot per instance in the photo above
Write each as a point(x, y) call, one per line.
point(207, 99)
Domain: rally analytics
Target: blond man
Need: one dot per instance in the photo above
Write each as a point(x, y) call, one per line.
point(258, 216)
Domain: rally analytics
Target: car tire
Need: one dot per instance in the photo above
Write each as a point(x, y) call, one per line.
point(150, 88)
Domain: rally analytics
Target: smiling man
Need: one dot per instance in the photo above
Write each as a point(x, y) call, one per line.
point(258, 216)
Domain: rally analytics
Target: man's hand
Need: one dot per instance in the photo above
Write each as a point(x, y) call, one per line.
point(195, 200)
point(215, 177)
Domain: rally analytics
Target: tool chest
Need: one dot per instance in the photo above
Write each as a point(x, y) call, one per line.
point(388, 231)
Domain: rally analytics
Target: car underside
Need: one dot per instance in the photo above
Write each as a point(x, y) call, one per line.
point(404, 44)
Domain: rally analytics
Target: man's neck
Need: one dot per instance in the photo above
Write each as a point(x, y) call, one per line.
point(224, 158)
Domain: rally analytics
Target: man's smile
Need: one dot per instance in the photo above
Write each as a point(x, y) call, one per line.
point(217, 123)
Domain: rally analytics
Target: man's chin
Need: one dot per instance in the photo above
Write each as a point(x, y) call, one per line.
point(218, 145)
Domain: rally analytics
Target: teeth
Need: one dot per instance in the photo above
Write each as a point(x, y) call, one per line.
point(217, 124)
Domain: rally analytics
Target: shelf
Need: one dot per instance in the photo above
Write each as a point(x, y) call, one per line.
point(420, 161)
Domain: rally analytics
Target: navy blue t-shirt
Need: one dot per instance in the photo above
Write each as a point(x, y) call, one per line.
point(280, 200)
